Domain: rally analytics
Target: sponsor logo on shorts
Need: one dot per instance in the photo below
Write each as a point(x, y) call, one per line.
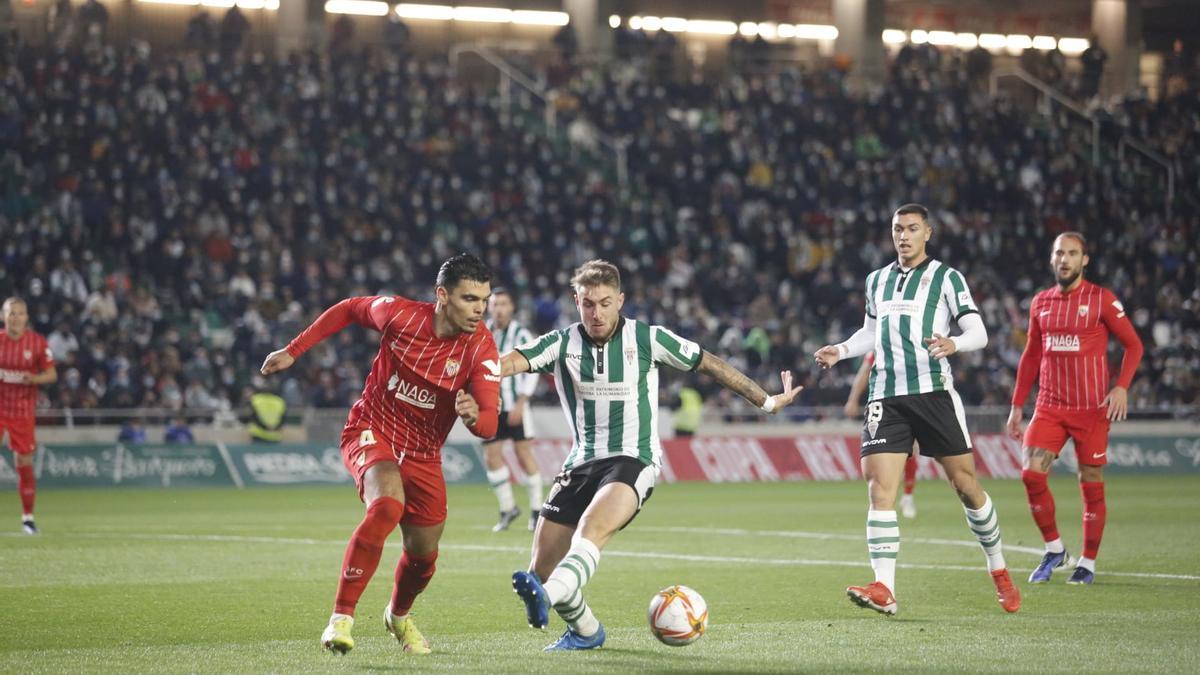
point(1099, 455)
point(550, 507)
point(877, 441)
point(1063, 343)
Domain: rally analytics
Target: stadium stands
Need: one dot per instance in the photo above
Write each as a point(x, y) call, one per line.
point(171, 218)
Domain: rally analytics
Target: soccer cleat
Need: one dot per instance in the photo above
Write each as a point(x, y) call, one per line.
point(405, 632)
point(875, 596)
point(1050, 562)
point(537, 603)
point(1006, 593)
point(571, 640)
point(336, 637)
point(506, 519)
point(533, 518)
point(28, 526)
point(1082, 576)
point(908, 507)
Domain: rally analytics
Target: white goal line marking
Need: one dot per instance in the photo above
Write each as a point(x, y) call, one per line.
point(486, 548)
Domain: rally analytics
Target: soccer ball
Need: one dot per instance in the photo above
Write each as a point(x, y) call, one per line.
point(678, 616)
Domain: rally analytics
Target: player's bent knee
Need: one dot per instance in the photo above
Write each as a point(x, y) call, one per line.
point(385, 510)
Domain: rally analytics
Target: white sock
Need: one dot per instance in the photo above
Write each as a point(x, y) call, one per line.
point(499, 480)
point(986, 526)
point(1087, 564)
point(572, 574)
point(883, 545)
point(579, 616)
point(1055, 546)
point(534, 483)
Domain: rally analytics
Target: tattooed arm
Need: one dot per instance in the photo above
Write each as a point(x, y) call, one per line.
point(734, 380)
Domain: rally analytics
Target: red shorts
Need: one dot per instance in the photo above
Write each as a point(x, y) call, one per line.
point(424, 484)
point(20, 434)
point(1049, 430)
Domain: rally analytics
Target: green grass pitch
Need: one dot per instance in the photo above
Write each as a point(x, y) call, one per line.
point(223, 580)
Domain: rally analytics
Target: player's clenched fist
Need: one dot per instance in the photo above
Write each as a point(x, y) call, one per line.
point(466, 407)
point(276, 361)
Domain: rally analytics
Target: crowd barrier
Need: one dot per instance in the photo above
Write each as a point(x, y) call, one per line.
point(716, 459)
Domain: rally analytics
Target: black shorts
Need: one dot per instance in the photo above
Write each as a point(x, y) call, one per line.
point(935, 420)
point(511, 432)
point(573, 490)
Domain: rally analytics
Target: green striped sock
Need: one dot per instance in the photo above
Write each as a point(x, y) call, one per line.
point(883, 545)
point(986, 526)
point(573, 572)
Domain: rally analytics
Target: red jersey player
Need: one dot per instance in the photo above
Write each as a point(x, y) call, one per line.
point(437, 361)
point(1066, 352)
point(25, 362)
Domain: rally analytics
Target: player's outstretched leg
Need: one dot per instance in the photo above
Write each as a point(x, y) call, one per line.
point(1095, 513)
point(986, 526)
point(413, 573)
point(883, 545)
point(1041, 507)
point(358, 566)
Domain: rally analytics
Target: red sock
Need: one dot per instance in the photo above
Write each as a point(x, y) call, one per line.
point(364, 550)
point(1094, 514)
point(27, 487)
point(413, 573)
point(910, 475)
point(1041, 503)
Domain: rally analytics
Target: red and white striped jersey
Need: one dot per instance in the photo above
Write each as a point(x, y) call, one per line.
point(408, 399)
point(20, 357)
point(1068, 345)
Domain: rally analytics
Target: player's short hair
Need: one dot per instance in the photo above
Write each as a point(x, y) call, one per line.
point(1077, 236)
point(13, 299)
point(596, 273)
point(460, 267)
point(501, 290)
point(913, 208)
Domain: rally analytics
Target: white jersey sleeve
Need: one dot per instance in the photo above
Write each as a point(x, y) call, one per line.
point(668, 349)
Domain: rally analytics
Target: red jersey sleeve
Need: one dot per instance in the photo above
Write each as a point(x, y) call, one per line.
point(44, 359)
point(1031, 359)
point(1118, 323)
point(484, 386)
point(373, 311)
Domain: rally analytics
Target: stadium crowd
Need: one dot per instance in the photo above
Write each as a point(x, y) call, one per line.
point(172, 218)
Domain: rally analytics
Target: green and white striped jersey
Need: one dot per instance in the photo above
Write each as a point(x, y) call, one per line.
point(908, 307)
point(609, 392)
point(525, 383)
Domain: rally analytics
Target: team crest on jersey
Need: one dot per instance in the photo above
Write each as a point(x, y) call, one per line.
point(925, 281)
point(28, 355)
point(451, 368)
point(1083, 310)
